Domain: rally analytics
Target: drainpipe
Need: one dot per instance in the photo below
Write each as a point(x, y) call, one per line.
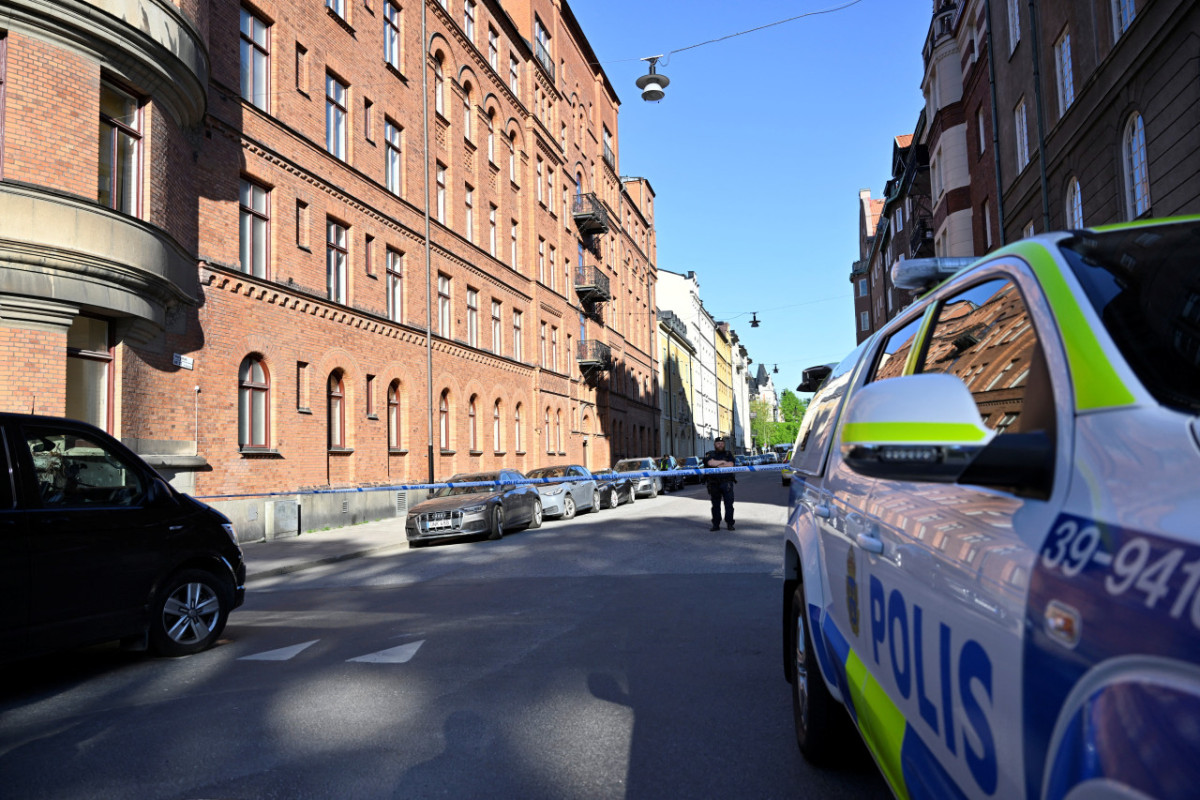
point(1041, 123)
point(428, 253)
point(987, 5)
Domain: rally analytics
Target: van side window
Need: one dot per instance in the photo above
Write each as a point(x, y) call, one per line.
point(73, 471)
point(985, 336)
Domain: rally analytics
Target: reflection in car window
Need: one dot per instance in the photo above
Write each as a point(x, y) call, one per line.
point(984, 336)
point(1145, 287)
point(549, 472)
point(813, 437)
point(74, 471)
point(894, 353)
point(478, 477)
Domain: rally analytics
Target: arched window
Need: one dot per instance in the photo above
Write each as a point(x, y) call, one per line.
point(546, 427)
point(512, 157)
point(393, 415)
point(1074, 204)
point(496, 427)
point(517, 442)
point(337, 411)
point(471, 429)
point(1137, 176)
point(558, 430)
point(444, 420)
point(254, 403)
point(439, 84)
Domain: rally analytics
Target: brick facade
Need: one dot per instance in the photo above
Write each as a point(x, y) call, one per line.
point(553, 137)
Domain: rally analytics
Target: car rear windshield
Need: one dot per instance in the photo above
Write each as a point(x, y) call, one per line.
point(1144, 283)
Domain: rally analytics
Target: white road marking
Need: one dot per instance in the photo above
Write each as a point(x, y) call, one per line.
point(282, 654)
point(394, 655)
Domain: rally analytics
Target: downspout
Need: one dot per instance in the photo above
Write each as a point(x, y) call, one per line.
point(987, 5)
point(428, 253)
point(1041, 124)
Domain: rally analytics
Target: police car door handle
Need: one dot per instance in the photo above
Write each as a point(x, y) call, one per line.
point(868, 543)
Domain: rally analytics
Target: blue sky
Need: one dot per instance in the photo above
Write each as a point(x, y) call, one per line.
point(760, 147)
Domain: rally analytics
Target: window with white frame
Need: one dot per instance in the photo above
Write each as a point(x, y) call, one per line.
point(492, 230)
point(554, 348)
point(440, 180)
point(862, 287)
point(1014, 24)
point(439, 84)
point(518, 442)
point(468, 103)
point(337, 6)
point(392, 169)
point(254, 228)
point(1064, 77)
point(393, 415)
point(981, 131)
point(469, 19)
point(493, 48)
point(391, 34)
point(337, 411)
point(496, 427)
point(119, 173)
point(987, 224)
point(517, 350)
point(473, 317)
point(491, 136)
point(444, 311)
point(864, 321)
point(256, 61)
point(497, 334)
point(542, 339)
point(335, 117)
point(469, 211)
point(395, 285)
point(1137, 175)
point(472, 428)
point(444, 420)
point(337, 253)
point(546, 426)
point(538, 182)
point(541, 261)
point(1021, 128)
point(1028, 230)
point(513, 244)
point(553, 272)
point(514, 75)
point(1074, 204)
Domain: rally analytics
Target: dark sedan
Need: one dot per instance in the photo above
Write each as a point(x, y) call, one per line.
point(692, 462)
point(615, 488)
point(469, 510)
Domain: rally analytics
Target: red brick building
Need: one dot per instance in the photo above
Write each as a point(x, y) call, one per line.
point(322, 243)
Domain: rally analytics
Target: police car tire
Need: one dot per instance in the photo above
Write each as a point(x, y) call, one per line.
point(820, 730)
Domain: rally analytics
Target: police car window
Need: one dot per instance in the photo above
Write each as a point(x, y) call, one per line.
point(894, 353)
point(1145, 287)
point(74, 471)
point(985, 336)
point(812, 440)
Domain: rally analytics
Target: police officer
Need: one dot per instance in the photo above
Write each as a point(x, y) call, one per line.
point(720, 487)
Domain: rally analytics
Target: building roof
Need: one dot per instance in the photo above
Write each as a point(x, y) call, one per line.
point(904, 141)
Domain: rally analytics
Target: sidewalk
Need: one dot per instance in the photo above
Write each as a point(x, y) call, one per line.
point(294, 553)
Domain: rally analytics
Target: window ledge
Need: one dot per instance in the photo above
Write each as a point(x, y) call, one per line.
point(340, 451)
point(447, 452)
point(373, 416)
point(259, 452)
point(339, 20)
point(395, 71)
point(520, 453)
point(474, 452)
point(397, 451)
point(304, 247)
point(499, 453)
point(303, 410)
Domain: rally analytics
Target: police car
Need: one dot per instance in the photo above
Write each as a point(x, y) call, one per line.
point(992, 556)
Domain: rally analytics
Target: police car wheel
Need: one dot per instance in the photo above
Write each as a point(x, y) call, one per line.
point(819, 732)
point(568, 507)
point(496, 529)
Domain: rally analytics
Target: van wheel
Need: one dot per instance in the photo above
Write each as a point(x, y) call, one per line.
point(496, 529)
point(821, 728)
point(189, 613)
point(568, 507)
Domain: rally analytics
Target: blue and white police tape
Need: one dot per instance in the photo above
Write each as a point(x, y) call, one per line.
point(700, 473)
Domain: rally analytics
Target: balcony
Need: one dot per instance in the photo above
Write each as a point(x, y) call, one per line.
point(593, 354)
point(591, 284)
point(610, 157)
point(920, 236)
point(589, 213)
point(543, 57)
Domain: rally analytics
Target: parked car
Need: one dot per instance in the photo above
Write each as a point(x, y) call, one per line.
point(991, 559)
point(456, 511)
point(562, 499)
point(615, 487)
point(95, 546)
point(649, 485)
point(671, 483)
point(693, 462)
point(741, 461)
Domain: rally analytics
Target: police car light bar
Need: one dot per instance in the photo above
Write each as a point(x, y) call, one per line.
point(925, 273)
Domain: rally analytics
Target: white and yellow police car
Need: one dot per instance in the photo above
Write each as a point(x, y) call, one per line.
point(992, 556)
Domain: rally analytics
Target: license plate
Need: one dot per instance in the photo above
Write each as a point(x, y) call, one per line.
point(438, 524)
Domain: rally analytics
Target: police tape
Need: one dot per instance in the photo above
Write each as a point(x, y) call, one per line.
point(606, 478)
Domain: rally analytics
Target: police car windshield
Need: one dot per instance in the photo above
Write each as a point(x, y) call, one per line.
point(1145, 285)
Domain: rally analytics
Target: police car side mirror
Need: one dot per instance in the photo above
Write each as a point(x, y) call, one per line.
point(916, 427)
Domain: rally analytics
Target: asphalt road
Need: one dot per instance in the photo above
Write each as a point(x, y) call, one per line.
point(631, 653)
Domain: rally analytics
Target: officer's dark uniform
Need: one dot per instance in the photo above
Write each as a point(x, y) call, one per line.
point(720, 487)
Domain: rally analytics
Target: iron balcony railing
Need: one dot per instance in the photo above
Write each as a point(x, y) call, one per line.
point(589, 213)
point(543, 56)
point(591, 284)
point(593, 354)
point(610, 158)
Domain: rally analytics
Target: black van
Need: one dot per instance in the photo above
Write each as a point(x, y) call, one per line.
point(96, 546)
